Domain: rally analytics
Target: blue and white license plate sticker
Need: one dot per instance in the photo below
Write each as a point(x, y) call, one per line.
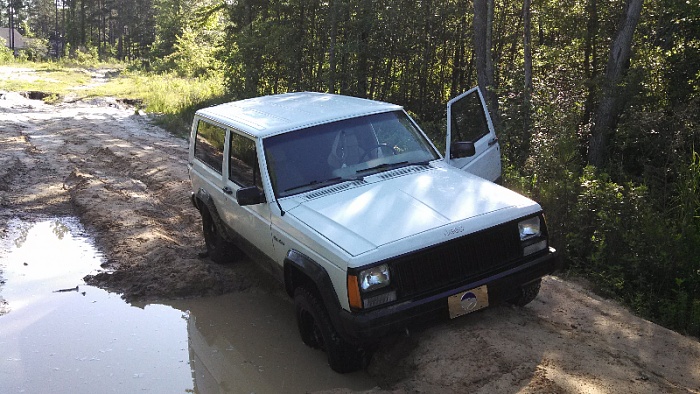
point(468, 301)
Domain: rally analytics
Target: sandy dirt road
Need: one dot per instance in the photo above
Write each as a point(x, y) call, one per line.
point(126, 180)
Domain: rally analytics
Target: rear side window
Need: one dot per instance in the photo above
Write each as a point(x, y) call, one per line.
point(243, 162)
point(209, 145)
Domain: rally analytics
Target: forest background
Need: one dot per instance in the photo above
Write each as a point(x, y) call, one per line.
point(596, 103)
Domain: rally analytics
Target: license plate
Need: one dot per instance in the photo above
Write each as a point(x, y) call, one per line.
point(468, 301)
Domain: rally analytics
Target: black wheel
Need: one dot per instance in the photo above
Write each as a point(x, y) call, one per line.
point(317, 331)
point(528, 293)
point(219, 249)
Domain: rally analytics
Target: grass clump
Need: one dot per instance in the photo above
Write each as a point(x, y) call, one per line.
point(50, 78)
point(173, 98)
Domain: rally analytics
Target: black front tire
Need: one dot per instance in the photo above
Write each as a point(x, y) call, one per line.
point(317, 331)
point(219, 249)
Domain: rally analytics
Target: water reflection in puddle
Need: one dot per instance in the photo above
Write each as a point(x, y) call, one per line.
point(58, 334)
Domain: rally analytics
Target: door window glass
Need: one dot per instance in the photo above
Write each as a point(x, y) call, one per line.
point(243, 162)
point(209, 144)
point(468, 119)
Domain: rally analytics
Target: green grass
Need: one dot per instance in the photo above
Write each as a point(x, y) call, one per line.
point(172, 98)
point(47, 77)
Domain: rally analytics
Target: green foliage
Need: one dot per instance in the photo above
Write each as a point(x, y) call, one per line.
point(632, 227)
point(190, 39)
point(169, 21)
point(687, 201)
point(36, 49)
point(174, 99)
point(615, 235)
point(194, 54)
point(415, 54)
point(609, 220)
point(5, 53)
point(83, 55)
point(50, 78)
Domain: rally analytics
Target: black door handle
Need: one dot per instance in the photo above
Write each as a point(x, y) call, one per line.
point(228, 190)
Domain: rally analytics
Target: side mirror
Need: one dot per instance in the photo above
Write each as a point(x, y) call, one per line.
point(462, 149)
point(249, 196)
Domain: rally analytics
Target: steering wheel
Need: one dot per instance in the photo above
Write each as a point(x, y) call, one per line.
point(379, 150)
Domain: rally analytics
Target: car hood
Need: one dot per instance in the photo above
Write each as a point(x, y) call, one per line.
point(380, 211)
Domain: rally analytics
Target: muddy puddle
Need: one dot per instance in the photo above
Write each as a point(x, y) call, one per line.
point(59, 335)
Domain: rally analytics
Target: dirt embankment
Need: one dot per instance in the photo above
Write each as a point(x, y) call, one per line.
point(127, 181)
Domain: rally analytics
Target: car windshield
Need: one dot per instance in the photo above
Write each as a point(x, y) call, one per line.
point(350, 149)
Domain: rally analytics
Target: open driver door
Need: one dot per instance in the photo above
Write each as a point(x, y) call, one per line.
point(472, 144)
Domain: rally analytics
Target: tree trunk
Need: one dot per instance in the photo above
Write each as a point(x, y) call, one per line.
point(63, 29)
point(331, 50)
point(513, 51)
point(364, 16)
point(83, 12)
point(527, 88)
point(11, 31)
point(483, 26)
point(459, 53)
point(426, 56)
point(300, 27)
point(251, 69)
point(590, 60)
point(527, 51)
point(611, 106)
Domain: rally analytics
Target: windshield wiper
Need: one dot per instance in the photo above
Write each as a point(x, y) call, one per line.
point(383, 166)
point(316, 184)
point(391, 166)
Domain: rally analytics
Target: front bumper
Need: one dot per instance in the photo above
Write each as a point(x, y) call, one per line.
point(369, 326)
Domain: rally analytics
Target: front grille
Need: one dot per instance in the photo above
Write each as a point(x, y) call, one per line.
point(457, 261)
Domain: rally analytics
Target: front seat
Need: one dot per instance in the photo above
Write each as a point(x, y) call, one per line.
point(345, 151)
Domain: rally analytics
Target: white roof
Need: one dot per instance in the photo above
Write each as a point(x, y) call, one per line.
point(269, 115)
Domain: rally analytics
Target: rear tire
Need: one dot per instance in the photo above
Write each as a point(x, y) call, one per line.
point(528, 293)
point(219, 249)
point(317, 332)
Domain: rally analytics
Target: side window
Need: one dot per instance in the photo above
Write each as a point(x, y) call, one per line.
point(468, 119)
point(243, 162)
point(209, 145)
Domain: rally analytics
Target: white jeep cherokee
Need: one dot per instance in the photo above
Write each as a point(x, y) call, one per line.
point(353, 209)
